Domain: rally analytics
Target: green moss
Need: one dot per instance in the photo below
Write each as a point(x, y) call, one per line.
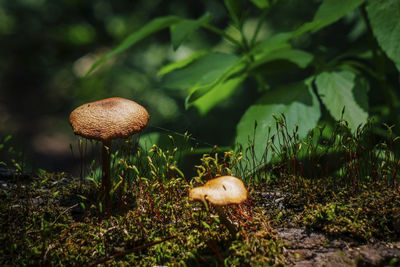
point(55, 219)
point(161, 228)
point(370, 214)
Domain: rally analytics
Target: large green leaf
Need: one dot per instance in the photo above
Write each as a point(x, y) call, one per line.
point(182, 63)
point(298, 57)
point(328, 12)
point(203, 71)
point(384, 16)
point(337, 91)
point(148, 29)
point(186, 27)
point(273, 43)
point(296, 101)
point(205, 85)
point(219, 93)
point(331, 11)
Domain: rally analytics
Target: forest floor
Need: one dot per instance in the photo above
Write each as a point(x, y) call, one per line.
point(307, 248)
point(304, 244)
point(337, 227)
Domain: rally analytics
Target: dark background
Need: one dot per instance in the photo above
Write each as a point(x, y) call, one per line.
point(47, 46)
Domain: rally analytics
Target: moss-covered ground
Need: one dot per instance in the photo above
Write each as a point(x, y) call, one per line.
point(53, 219)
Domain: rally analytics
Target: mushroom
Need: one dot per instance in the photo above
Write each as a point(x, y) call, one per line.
point(105, 120)
point(219, 192)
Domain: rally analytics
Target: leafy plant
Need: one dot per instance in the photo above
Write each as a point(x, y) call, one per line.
point(332, 80)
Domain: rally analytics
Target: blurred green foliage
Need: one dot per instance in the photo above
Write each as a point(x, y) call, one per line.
point(212, 68)
point(48, 46)
point(306, 78)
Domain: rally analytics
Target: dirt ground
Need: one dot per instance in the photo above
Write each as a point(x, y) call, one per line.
point(315, 249)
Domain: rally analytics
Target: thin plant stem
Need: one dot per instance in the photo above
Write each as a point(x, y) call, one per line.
point(258, 28)
point(106, 176)
point(223, 34)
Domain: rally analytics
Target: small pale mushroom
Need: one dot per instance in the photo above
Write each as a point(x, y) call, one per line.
point(105, 120)
point(221, 191)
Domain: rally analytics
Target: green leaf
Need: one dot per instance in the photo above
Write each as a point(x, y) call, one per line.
point(186, 27)
point(148, 29)
point(360, 92)
point(384, 16)
point(182, 63)
point(296, 101)
point(273, 43)
point(219, 93)
point(328, 12)
point(198, 90)
point(261, 3)
point(337, 90)
point(203, 71)
point(298, 57)
point(331, 11)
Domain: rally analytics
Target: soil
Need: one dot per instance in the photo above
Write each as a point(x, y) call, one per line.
point(305, 249)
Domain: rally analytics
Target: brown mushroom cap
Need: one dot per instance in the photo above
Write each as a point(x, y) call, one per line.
point(108, 119)
point(221, 191)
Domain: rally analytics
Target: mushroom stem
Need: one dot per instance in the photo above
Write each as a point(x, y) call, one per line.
point(224, 219)
point(106, 179)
